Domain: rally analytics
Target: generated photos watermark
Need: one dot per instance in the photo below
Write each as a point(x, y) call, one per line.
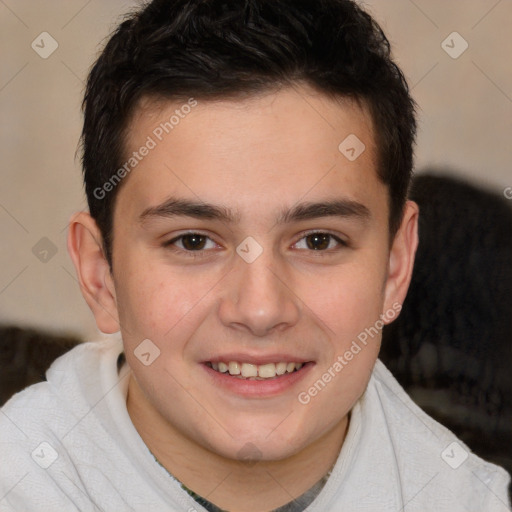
point(344, 359)
point(151, 143)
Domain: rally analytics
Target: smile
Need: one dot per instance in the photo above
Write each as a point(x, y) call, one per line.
point(253, 371)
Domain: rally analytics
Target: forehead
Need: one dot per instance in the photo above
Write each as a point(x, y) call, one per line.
point(308, 116)
point(252, 152)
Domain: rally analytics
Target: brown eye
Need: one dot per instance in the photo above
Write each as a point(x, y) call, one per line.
point(318, 241)
point(193, 242)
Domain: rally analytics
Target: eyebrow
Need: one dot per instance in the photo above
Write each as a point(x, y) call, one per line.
point(344, 208)
point(184, 208)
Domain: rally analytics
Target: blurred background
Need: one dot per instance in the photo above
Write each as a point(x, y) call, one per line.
point(465, 126)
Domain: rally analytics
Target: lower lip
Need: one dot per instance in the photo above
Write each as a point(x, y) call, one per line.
point(258, 388)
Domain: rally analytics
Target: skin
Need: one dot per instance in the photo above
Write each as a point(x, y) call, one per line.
point(256, 157)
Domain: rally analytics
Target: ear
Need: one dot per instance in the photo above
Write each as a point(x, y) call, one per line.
point(93, 271)
point(401, 258)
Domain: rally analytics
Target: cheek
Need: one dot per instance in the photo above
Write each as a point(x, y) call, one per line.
point(154, 300)
point(347, 300)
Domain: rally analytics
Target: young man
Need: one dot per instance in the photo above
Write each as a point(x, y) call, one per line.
point(246, 166)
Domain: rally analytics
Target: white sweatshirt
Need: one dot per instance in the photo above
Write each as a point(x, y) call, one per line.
point(69, 445)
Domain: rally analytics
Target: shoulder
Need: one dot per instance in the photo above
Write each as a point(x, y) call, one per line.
point(34, 423)
point(425, 450)
point(63, 378)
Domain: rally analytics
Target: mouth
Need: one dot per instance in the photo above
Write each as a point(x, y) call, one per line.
point(249, 371)
point(257, 376)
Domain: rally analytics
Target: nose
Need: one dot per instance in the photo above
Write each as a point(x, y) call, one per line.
point(258, 299)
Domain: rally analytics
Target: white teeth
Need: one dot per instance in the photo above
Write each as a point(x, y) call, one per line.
point(234, 368)
point(249, 370)
point(267, 371)
point(281, 368)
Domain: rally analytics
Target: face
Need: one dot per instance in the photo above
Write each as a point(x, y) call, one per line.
point(246, 242)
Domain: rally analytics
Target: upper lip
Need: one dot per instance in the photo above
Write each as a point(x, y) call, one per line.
point(257, 359)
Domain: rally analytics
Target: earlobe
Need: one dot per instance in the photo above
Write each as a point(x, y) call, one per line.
point(93, 271)
point(401, 257)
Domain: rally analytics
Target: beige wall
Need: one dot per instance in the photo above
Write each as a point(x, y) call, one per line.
point(465, 124)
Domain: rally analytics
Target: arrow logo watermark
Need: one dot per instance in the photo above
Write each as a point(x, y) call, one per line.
point(147, 352)
point(249, 250)
point(454, 455)
point(44, 45)
point(44, 250)
point(44, 455)
point(454, 45)
point(352, 147)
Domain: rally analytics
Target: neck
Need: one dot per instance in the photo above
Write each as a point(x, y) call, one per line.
point(231, 484)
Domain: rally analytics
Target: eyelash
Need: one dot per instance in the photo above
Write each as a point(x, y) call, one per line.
point(193, 254)
point(341, 243)
point(202, 253)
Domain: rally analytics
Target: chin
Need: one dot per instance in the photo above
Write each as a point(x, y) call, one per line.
point(256, 445)
point(252, 452)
